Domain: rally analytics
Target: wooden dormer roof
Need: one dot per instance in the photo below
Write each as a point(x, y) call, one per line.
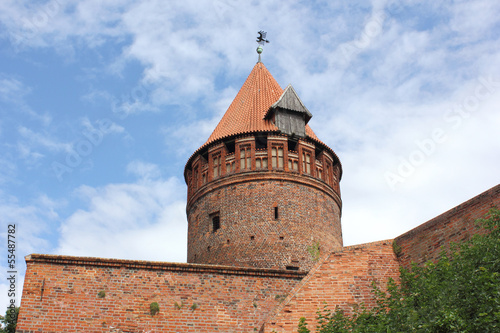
point(289, 100)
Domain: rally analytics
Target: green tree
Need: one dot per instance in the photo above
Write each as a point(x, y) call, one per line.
point(9, 321)
point(458, 293)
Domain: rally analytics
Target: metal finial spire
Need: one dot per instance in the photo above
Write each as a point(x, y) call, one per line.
point(261, 39)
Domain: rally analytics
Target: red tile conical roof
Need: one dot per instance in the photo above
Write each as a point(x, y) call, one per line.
point(248, 109)
point(247, 112)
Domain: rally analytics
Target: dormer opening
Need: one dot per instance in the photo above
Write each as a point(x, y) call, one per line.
point(230, 147)
point(260, 142)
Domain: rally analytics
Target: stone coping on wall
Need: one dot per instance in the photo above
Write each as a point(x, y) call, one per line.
point(364, 245)
point(162, 266)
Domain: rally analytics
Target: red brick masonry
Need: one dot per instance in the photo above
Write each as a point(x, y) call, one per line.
point(61, 292)
point(426, 241)
point(341, 278)
point(61, 295)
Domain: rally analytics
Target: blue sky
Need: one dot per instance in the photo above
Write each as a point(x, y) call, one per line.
point(102, 103)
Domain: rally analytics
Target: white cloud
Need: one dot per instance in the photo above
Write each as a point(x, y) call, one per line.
point(11, 89)
point(44, 140)
point(142, 220)
point(370, 107)
point(437, 174)
point(34, 226)
point(8, 170)
point(144, 170)
point(103, 126)
point(32, 221)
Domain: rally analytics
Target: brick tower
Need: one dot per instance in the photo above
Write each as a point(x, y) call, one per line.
point(263, 191)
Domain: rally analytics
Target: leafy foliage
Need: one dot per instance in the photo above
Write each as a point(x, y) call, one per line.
point(9, 322)
point(154, 308)
point(314, 251)
point(458, 293)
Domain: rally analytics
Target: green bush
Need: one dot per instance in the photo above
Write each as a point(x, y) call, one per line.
point(458, 293)
point(154, 308)
point(9, 322)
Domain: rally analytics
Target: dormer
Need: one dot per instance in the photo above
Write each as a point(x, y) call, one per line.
point(289, 113)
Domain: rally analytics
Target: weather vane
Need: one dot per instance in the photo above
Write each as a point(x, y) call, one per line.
point(261, 39)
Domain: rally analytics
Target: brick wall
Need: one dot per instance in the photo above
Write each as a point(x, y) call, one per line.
point(263, 200)
point(341, 278)
point(426, 241)
point(61, 295)
point(250, 234)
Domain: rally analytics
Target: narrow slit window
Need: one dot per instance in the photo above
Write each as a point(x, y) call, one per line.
point(245, 158)
point(276, 213)
point(306, 162)
point(217, 160)
point(242, 159)
point(280, 157)
point(215, 222)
